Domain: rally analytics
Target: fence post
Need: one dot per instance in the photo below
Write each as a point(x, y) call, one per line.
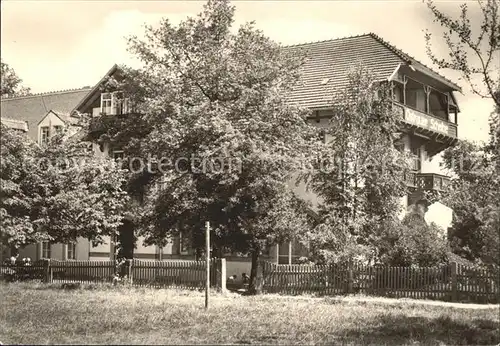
point(454, 284)
point(221, 275)
point(129, 269)
point(48, 271)
point(349, 279)
point(265, 273)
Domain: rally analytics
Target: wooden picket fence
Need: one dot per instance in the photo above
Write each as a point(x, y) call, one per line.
point(452, 282)
point(80, 271)
point(36, 271)
point(182, 274)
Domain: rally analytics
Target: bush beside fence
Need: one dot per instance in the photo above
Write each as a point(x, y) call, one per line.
point(453, 282)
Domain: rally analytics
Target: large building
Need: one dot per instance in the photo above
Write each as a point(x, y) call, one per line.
point(40, 116)
point(425, 99)
point(33, 108)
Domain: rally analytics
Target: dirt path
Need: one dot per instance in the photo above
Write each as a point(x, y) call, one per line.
point(393, 301)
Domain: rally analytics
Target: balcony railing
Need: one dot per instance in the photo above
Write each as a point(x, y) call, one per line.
point(427, 181)
point(411, 179)
point(432, 181)
point(427, 122)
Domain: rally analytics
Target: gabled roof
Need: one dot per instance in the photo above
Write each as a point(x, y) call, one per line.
point(14, 124)
point(65, 117)
point(327, 65)
point(95, 89)
point(32, 108)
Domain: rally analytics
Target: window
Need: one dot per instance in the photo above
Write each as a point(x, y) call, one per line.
point(71, 251)
point(416, 163)
point(106, 103)
point(438, 104)
point(322, 135)
point(400, 146)
point(45, 249)
point(183, 243)
point(290, 252)
point(114, 103)
point(397, 92)
point(118, 155)
point(90, 147)
point(44, 134)
point(58, 129)
point(415, 95)
point(120, 103)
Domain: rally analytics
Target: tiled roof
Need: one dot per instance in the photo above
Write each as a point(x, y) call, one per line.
point(327, 65)
point(95, 88)
point(32, 108)
point(15, 124)
point(414, 62)
point(64, 116)
point(67, 118)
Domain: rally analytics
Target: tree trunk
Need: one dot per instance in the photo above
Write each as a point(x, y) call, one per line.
point(126, 240)
point(255, 285)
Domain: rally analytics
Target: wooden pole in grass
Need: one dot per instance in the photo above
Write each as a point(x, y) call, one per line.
point(207, 240)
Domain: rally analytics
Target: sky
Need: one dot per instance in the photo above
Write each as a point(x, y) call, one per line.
point(55, 45)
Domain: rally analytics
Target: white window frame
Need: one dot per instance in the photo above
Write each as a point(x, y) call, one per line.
point(46, 249)
point(115, 152)
point(106, 103)
point(71, 246)
point(181, 242)
point(44, 139)
point(114, 103)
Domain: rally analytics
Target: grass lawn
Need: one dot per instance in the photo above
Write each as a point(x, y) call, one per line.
point(36, 314)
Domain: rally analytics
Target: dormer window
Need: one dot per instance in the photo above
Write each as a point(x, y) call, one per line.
point(114, 103)
point(118, 155)
point(106, 103)
point(44, 135)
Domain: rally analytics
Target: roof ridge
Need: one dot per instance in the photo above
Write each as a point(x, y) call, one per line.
point(327, 40)
point(406, 56)
point(12, 119)
point(393, 48)
point(46, 93)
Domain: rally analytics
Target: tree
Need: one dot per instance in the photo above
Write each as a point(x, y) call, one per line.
point(57, 192)
point(412, 242)
point(471, 55)
point(475, 197)
point(360, 178)
point(16, 150)
point(215, 128)
point(11, 83)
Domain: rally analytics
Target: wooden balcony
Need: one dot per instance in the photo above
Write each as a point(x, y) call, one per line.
point(427, 181)
point(432, 181)
point(426, 122)
point(100, 122)
point(411, 179)
point(440, 134)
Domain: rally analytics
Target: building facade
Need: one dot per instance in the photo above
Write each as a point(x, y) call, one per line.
point(425, 99)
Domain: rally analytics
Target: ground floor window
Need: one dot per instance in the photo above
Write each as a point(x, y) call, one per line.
point(45, 249)
point(291, 252)
point(71, 251)
point(183, 243)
